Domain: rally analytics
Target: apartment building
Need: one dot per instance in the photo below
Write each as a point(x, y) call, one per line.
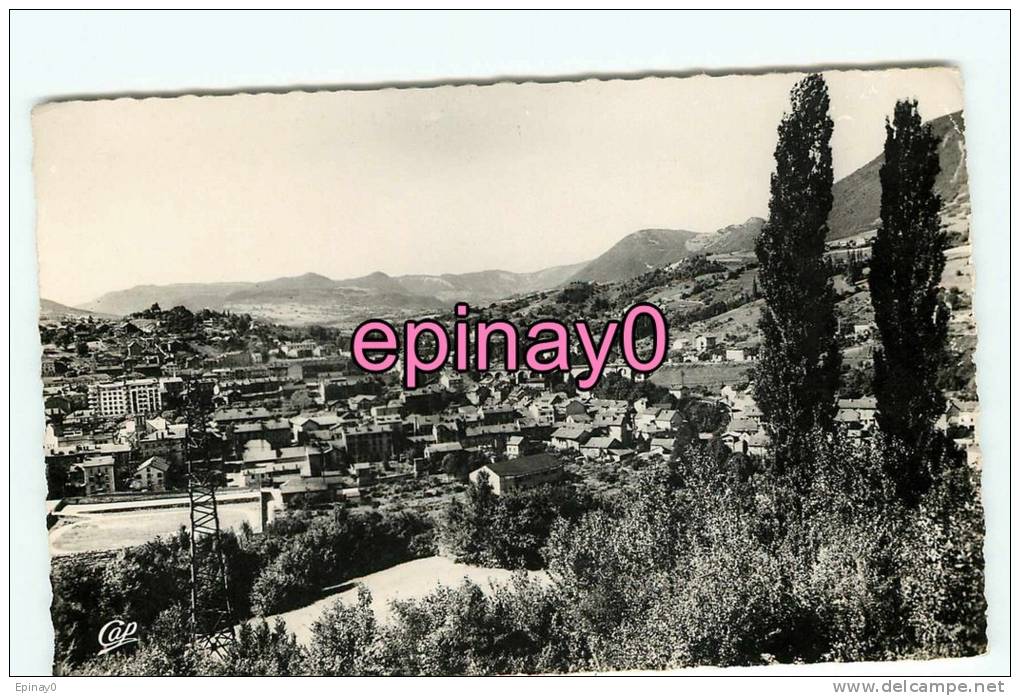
point(133, 396)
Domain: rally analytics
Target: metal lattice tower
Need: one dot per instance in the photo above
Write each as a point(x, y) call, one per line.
point(212, 622)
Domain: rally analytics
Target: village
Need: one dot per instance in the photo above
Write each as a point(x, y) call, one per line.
point(299, 426)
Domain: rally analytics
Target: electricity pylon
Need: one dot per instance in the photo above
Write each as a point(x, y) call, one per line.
point(212, 622)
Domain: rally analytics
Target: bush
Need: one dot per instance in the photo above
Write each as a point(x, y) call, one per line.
point(331, 550)
point(261, 651)
point(507, 531)
point(343, 639)
point(282, 569)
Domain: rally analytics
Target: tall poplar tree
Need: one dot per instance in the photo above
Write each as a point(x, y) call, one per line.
point(906, 267)
point(798, 369)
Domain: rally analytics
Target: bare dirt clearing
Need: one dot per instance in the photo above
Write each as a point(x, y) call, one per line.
point(410, 580)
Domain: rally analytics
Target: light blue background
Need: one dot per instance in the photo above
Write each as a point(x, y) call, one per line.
point(63, 54)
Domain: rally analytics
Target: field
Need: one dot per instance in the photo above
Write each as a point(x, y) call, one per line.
point(116, 530)
point(711, 376)
point(959, 272)
point(410, 580)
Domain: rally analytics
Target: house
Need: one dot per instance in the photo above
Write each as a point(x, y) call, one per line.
point(704, 343)
point(364, 472)
point(494, 436)
point(452, 381)
point(425, 399)
point(498, 415)
point(570, 437)
point(368, 443)
point(303, 425)
point(668, 419)
point(479, 395)
point(600, 447)
point(741, 404)
point(170, 444)
point(388, 415)
point(542, 411)
point(435, 452)
point(520, 446)
point(615, 423)
point(263, 464)
point(575, 408)
point(579, 419)
point(299, 349)
point(98, 475)
point(962, 414)
point(863, 331)
point(318, 489)
point(519, 474)
point(644, 423)
point(151, 474)
point(736, 355)
point(276, 432)
point(232, 416)
point(850, 420)
point(864, 409)
point(757, 444)
point(361, 401)
point(662, 445)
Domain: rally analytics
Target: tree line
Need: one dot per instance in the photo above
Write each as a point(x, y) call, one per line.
point(798, 373)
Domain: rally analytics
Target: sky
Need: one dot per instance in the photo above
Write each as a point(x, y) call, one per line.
point(514, 176)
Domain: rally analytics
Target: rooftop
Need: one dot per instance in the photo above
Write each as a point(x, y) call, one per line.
point(531, 464)
point(156, 463)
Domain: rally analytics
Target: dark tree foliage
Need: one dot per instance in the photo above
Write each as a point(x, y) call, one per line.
point(912, 320)
point(616, 386)
point(283, 568)
point(798, 371)
point(263, 651)
point(458, 465)
point(509, 530)
point(704, 560)
point(575, 293)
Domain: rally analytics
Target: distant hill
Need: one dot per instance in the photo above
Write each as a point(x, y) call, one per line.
point(734, 238)
point(376, 282)
point(487, 286)
point(330, 299)
point(857, 197)
point(194, 296)
point(640, 252)
point(48, 309)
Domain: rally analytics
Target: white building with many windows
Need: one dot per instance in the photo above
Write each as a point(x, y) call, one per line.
point(133, 396)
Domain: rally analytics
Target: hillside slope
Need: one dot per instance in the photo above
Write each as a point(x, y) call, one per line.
point(735, 238)
point(48, 309)
point(857, 197)
point(486, 286)
point(640, 252)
